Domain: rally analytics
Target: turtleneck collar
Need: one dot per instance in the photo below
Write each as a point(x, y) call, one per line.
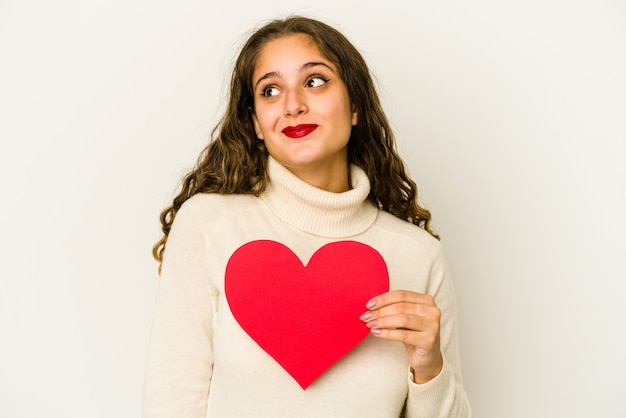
point(318, 211)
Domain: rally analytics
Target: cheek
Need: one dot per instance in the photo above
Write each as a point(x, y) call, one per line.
point(267, 117)
point(345, 108)
point(263, 116)
point(257, 127)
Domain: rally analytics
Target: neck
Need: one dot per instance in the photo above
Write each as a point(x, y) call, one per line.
point(318, 211)
point(332, 177)
point(336, 181)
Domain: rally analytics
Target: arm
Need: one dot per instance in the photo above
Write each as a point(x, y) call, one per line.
point(180, 358)
point(426, 324)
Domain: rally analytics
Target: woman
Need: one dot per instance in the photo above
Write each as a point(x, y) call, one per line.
point(302, 167)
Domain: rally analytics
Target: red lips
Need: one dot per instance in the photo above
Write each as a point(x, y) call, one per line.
point(299, 131)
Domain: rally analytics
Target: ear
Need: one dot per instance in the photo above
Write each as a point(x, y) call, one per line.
point(257, 127)
point(355, 117)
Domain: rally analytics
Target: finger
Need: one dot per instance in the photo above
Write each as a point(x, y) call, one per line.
point(403, 321)
point(425, 341)
point(412, 309)
point(405, 336)
point(395, 309)
point(399, 296)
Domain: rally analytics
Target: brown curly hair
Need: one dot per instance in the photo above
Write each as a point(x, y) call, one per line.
point(234, 161)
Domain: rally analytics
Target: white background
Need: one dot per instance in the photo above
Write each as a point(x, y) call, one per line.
point(510, 114)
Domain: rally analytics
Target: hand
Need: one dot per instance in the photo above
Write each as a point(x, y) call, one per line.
point(413, 319)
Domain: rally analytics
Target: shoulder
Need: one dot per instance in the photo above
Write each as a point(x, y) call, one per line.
point(407, 233)
point(214, 201)
point(213, 207)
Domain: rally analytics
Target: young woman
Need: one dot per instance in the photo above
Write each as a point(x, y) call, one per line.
point(302, 167)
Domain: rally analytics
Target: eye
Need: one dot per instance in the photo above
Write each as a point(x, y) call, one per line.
point(316, 81)
point(269, 91)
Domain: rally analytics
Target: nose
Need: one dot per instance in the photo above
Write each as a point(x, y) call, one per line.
point(295, 103)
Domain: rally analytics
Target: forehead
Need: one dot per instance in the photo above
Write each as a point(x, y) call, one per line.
point(287, 53)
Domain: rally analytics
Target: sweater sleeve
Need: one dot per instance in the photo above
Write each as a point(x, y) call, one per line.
point(444, 396)
point(180, 356)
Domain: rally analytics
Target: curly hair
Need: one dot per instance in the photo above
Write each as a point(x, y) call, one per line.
point(234, 161)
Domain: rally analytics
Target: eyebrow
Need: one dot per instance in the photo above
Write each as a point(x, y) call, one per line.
point(303, 67)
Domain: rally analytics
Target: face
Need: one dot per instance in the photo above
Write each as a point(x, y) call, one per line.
point(302, 110)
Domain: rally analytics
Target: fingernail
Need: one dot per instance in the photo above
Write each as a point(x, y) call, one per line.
point(372, 324)
point(371, 304)
point(366, 316)
point(376, 331)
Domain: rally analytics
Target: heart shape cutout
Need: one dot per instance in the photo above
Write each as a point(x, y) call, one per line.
point(305, 317)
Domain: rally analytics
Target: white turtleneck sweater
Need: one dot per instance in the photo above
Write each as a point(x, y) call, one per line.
point(201, 362)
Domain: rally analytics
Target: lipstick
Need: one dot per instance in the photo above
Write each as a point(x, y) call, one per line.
point(299, 131)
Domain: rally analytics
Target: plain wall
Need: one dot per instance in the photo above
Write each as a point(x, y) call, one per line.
point(510, 114)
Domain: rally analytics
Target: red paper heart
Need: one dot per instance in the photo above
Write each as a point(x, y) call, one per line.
point(306, 318)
